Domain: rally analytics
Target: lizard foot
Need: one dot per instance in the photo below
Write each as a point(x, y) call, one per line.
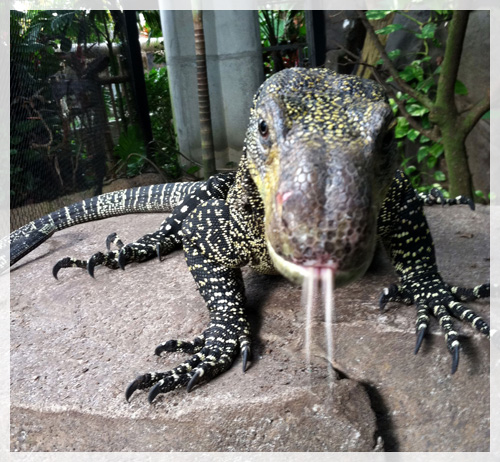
point(113, 259)
point(436, 196)
point(213, 352)
point(97, 259)
point(434, 297)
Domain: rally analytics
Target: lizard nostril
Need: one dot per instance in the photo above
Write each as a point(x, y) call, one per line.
point(281, 198)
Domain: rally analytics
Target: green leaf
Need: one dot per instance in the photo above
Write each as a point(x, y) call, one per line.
point(419, 73)
point(394, 53)
point(427, 31)
point(130, 142)
point(402, 128)
point(412, 72)
point(486, 116)
point(426, 125)
point(412, 135)
point(436, 150)
point(416, 110)
point(377, 14)
point(60, 22)
point(422, 153)
point(460, 88)
point(424, 139)
point(410, 169)
point(394, 106)
point(439, 175)
point(431, 161)
point(425, 85)
point(389, 29)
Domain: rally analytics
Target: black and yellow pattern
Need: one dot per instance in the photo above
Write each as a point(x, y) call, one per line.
point(315, 188)
point(406, 235)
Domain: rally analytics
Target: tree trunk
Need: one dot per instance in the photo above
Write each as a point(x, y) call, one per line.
point(370, 53)
point(459, 176)
point(445, 113)
point(207, 144)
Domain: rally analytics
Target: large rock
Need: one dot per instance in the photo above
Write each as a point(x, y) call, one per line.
point(76, 343)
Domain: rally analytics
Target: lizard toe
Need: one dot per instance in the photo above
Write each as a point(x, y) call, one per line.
point(181, 346)
point(68, 262)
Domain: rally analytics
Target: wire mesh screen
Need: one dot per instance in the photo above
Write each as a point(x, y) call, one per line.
point(72, 108)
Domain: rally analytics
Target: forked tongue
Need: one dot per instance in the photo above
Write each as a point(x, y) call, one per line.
point(319, 279)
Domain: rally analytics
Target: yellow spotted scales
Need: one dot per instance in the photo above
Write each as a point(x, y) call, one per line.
point(316, 187)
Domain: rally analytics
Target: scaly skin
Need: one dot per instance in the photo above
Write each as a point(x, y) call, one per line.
point(315, 187)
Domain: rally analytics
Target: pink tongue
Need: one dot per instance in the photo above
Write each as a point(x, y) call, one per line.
point(319, 268)
point(320, 277)
point(324, 272)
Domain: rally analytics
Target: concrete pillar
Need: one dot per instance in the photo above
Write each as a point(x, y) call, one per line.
point(234, 67)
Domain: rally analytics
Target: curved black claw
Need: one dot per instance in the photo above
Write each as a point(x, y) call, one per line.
point(455, 353)
point(95, 260)
point(245, 353)
point(382, 301)
point(133, 387)
point(167, 346)
point(387, 294)
point(90, 266)
point(68, 262)
point(56, 268)
point(158, 252)
point(194, 379)
point(121, 260)
point(420, 337)
point(469, 202)
point(109, 240)
point(155, 391)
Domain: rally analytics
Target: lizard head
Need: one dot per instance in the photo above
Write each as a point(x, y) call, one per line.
point(320, 149)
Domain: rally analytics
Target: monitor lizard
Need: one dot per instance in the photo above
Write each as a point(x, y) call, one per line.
point(317, 186)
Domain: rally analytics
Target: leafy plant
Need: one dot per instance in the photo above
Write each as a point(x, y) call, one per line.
point(158, 91)
point(426, 102)
point(131, 150)
point(49, 116)
point(280, 28)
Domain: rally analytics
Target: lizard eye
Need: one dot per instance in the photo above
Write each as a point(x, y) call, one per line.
point(263, 128)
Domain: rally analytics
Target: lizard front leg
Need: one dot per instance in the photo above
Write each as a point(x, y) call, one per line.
point(406, 235)
point(213, 259)
point(161, 242)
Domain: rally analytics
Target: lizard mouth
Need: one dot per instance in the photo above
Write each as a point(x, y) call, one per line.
point(297, 272)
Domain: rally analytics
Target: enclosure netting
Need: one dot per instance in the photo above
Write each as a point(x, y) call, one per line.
point(76, 122)
point(70, 102)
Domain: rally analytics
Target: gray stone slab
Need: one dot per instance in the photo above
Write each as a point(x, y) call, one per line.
point(76, 343)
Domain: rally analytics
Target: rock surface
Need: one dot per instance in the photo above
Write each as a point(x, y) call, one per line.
point(76, 343)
